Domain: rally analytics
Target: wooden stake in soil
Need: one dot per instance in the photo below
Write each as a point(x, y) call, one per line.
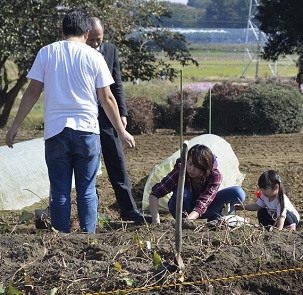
point(209, 119)
point(179, 205)
point(181, 110)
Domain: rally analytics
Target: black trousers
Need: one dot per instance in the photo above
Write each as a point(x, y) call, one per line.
point(114, 160)
point(266, 219)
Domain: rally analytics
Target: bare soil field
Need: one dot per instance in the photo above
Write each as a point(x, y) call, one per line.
point(125, 258)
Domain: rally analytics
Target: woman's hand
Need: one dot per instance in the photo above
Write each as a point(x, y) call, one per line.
point(193, 215)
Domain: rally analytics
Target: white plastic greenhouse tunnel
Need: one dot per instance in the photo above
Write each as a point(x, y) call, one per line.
point(23, 175)
point(228, 165)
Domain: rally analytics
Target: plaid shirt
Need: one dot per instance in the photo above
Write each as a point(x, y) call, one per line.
point(209, 187)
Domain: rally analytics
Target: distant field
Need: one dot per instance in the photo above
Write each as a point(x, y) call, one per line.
point(229, 61)
point(217, 63)
point(211, 69)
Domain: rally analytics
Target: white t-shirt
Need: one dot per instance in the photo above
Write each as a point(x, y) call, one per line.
point(275, 207)
point(71, 72)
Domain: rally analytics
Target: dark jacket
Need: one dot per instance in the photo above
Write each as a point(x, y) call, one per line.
point(110, 54)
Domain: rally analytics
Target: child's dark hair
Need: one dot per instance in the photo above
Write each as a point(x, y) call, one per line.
point(268, 180)
point(202, 158)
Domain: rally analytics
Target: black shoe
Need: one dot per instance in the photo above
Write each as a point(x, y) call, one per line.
point(42, 220)
point(135, 215)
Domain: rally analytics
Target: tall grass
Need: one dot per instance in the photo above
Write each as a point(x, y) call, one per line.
point(156, 90)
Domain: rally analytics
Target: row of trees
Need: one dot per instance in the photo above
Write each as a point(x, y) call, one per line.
point(133, 25)
point(27, 25)
point(209, 14)
point(281, 21)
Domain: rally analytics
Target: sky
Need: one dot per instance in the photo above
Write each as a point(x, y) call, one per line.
point(178, 1)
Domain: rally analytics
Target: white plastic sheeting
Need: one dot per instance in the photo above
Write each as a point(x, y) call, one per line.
point(23, 175)
point(23, 168)
point(232, 221)
point(228, 165)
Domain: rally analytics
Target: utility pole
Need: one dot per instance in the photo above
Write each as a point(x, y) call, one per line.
point(261, 39)
point(252, 26)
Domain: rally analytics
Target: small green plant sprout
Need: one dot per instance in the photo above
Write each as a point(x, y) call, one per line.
point(10, 290)
point(141, 245)
point(129, 282)
point(26, 217)
point(4, 228)
point(94, 242)
point(2, 290)
point(104, 221)
point(157, 261)
point(138, 241)
point(259, 258)
point(118, 267)
point(53, 291)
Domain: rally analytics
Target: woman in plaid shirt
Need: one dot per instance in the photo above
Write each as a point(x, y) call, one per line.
point(202, 198)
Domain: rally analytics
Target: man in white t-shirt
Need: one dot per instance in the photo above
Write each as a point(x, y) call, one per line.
point(72, 74)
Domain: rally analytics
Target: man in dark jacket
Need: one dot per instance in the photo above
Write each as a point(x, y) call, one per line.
point(112, 149)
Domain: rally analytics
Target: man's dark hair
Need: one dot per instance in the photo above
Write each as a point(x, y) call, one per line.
point(76, 22)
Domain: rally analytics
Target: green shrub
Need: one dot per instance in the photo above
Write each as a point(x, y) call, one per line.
point(140, 115)
point(270, 109)
point(200, 120)
point(190, 100)
point(256, 109)
point(160, 112)
point(223, 108)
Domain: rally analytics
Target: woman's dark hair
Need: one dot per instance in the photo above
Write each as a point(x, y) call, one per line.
point(268, 180)
point(76, 22)
point(202, 158)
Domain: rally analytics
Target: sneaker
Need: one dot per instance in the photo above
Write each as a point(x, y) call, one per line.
point(135, 215)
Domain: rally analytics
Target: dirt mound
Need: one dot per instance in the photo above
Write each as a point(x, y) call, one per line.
point(140, 259)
